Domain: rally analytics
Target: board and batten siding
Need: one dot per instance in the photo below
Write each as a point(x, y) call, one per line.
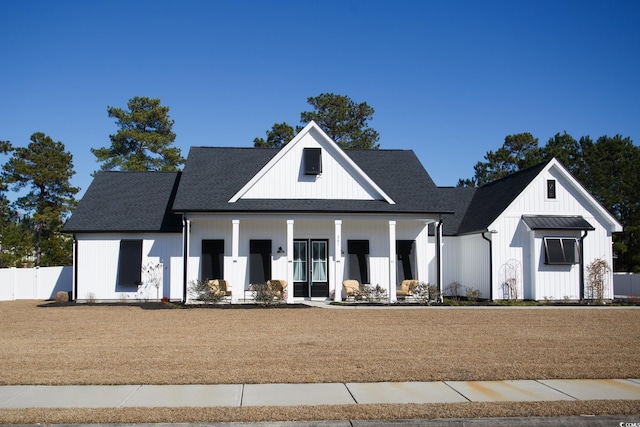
point(511, 250)
point(516, 245)
point(451, 271)
point(97, 265)
point(466, 261)
point(474, 264)
point(337, 180)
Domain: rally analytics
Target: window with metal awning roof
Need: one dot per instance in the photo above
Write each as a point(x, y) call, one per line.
point(559, 250)
point(552, 222)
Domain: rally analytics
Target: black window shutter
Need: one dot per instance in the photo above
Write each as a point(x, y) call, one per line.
point(406, 255)
point(259, 261)
point(212, 259)
point(130, 263)
point(358, 251)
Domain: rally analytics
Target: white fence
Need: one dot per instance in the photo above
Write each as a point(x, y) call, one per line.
point(34, 283)
point(626, 284)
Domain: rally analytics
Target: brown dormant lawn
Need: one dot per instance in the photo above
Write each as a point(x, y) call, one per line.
point(93, 344)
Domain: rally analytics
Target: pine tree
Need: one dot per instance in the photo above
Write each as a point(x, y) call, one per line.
point(143, 142)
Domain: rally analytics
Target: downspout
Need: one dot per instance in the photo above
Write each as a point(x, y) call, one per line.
point(439, 257)
point(185, 257)
point(582, 264)
point(75, 269)
point(490, 264)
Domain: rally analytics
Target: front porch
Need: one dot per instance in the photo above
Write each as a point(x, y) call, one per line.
point(313, 254)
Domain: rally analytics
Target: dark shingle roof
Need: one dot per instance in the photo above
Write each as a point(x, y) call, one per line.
point(143, 201)
point(212, 176)
point(458, 200)
point(476, 208)
point(492, 199)
point(127, 201)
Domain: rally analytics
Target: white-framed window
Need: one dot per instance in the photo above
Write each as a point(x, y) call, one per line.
point(561, 250)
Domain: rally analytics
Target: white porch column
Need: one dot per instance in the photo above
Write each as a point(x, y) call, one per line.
point(392, 261)
point(289, 256)
point(237, 288)
point(423, 254)
point(337, 268)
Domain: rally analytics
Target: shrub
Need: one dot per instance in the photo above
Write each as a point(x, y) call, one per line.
point(473, 294)
point(268, 294)
point(200, 290)
point(426, 293)
point(453, 290)
point(373, 293)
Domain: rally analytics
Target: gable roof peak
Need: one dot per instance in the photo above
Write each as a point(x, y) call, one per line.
point(324, 140)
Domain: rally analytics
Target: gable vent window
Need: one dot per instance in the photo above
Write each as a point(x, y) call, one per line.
point(563, 251)
point(312, 159)
point(551, 189)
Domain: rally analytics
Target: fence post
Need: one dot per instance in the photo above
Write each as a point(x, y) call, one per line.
point(12, 279)
point(36, 272)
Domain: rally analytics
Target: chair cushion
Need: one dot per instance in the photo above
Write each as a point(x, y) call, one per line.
point(351, 287)
point(407, 287)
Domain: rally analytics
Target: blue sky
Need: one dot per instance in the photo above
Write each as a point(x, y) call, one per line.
point(447, 79)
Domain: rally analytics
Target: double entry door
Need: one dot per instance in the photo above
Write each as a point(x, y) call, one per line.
point(310, 268)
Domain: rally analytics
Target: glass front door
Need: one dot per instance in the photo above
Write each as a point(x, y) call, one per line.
point(310, 268)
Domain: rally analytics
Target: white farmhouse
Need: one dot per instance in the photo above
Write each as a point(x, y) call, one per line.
point(314, 215)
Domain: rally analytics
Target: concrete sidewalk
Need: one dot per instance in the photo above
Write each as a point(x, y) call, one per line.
point(241, 395)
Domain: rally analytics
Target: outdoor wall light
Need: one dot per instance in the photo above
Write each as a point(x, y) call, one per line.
point(280, 250)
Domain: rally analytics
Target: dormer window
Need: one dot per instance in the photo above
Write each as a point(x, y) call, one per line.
point(312, 160)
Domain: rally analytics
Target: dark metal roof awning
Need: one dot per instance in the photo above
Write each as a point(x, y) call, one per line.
point(550, 222)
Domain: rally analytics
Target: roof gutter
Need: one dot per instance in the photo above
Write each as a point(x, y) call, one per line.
point(185, 255)
point(439, 257)
point(74, 296)
point(308, 211)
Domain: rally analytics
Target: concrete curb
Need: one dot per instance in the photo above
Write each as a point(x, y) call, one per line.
point(574, 421)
